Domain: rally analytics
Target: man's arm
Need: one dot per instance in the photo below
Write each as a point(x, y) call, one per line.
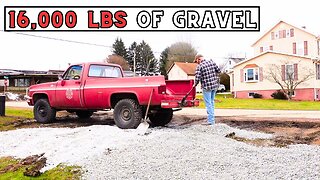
point(198, 76)
point(217, 69)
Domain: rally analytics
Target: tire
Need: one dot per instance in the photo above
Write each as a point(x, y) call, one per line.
point(43, 112)
point(127, 114)
point(84, 114)
point(162, 117)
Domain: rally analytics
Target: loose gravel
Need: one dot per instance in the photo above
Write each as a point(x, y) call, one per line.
point(187, 152)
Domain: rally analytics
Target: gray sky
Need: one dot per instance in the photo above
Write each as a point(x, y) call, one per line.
point(32, 53)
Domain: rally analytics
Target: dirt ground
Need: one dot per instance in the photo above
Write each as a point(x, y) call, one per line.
point(286, 130)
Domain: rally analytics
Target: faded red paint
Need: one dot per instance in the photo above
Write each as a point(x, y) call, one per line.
point(300, 94)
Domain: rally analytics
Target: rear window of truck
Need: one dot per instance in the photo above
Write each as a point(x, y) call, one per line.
point(104, 71)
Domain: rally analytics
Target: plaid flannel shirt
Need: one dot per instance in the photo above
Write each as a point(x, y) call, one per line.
point(207, 73)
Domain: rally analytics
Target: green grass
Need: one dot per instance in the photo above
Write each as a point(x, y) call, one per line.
point(19, 112)
point(14, 115)
point(228, 102)
point(57, 173)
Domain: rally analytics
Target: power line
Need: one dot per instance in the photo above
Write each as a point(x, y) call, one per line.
point(64, 40)
point(93, 44)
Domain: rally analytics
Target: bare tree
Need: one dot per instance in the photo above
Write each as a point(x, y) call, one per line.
point(223, 65)
point(181, 52)
point(115, 59)
point(286, 76)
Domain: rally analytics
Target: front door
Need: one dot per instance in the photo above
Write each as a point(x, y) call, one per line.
point(68, 90)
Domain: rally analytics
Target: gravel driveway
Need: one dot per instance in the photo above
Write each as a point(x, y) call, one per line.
point(186, 152)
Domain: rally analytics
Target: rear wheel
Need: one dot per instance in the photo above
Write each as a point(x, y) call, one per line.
point(162, 117)
point(84, 114)
point(127, 114)
point(43, 112)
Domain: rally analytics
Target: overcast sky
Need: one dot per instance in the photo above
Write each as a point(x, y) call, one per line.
point(24, 52)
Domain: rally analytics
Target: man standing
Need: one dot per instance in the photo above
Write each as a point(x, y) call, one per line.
point(207, 73)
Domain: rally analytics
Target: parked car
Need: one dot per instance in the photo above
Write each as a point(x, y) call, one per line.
point(221, 88)
point(88, 87)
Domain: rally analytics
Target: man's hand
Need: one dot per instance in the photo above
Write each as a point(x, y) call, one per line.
point(194, 85)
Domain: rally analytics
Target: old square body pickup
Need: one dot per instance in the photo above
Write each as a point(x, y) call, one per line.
point(88, 87)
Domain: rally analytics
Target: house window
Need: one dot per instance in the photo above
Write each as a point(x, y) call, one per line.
point(288, 33)
point(291, 32)
point(300, 48)
point(266, 48)
point(251, 75)
point(272, 35)
point(293, 94)
point(289, 75)
point(22, 82)
point(276, 35)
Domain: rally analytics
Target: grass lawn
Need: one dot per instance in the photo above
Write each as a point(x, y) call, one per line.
point(228, 102)
point(19, 112)
point(11, 168)
point(14, 115)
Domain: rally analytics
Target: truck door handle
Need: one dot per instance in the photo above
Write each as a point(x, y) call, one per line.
point(78, 82)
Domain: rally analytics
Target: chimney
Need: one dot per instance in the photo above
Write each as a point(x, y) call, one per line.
point(303, 27)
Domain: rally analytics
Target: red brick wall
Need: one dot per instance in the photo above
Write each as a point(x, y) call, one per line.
point(300, 94)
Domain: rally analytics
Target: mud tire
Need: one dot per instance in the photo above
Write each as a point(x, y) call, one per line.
point(127, 114)
point(84, 114)
point(43, 112)
point(161, 118)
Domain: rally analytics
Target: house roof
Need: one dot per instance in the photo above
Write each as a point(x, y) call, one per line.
point(188, 68)
point(237, 60)
point(302, 29)
point(270, 52)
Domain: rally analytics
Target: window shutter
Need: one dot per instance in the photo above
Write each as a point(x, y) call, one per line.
point(271, 48)
point(280, 34)
point(241, 75)
point(284, 32)
point(261, 73)
point(295, 66)
point(305, 48)
point(294, 48)
point(317, 71)
point(283, 72)
point(261, 49)
point(291, 32)
point(272, 35)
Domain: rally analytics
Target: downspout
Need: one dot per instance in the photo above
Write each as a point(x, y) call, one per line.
point(314, 81)
point(316, 64)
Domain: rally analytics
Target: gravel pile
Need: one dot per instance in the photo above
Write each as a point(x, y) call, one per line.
point(193, 152)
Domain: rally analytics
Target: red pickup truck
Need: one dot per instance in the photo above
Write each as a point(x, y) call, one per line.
point(88, 87)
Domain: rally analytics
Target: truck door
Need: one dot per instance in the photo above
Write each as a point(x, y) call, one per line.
point(68, 88)
point(96, 95)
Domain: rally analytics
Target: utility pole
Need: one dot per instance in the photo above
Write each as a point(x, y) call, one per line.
point(134, 63)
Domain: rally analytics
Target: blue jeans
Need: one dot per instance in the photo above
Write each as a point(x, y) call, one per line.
point(208, 96)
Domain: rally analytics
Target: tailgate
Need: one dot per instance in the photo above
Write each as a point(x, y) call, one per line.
point(176, 90)
point(179, 88)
